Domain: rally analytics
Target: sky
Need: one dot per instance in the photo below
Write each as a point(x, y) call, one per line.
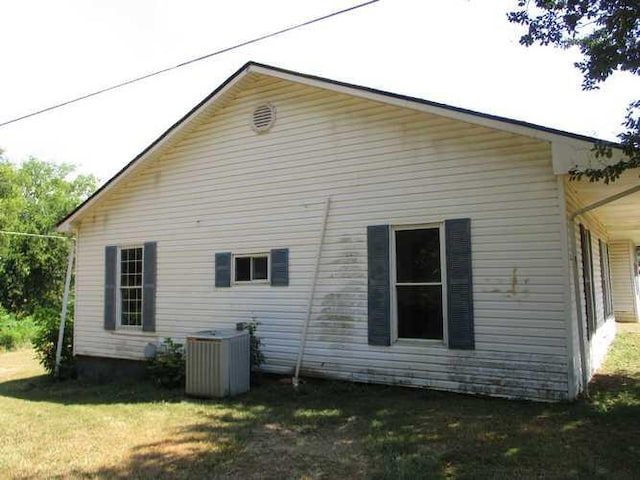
point(459, 52)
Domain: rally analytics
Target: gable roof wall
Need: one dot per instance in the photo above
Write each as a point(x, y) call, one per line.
point(171, 134)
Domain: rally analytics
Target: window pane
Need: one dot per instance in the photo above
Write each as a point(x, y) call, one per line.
point(136, 277)
point(259, 268)
point(243, 269)
point(420, 311)
point(131, 306)
point(418, 255)
point(131, 267)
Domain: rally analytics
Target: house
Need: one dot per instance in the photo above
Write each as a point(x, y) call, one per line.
point(456, 254)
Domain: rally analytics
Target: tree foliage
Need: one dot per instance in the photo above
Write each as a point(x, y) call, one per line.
point(45, 342)
point(607, 34)
point(34, 196)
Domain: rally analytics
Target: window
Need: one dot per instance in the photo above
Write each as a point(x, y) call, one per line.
point(605, 277)
point(130, 286)
point(587, 279)
point(418, 282)
point(266, 268)
point(251, 268)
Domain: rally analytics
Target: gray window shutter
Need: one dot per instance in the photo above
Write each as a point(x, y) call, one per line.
point(149, 275)
point(587, 279)
point(459, 284)
point(223, 270)
point(110, 286)
point(379, 290)
point(280, 267)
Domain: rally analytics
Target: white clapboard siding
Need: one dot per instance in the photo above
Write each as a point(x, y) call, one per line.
point(605, 332)
point(622, 272)
point(224, 188)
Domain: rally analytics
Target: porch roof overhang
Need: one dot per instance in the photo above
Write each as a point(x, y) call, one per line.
point(616, 205)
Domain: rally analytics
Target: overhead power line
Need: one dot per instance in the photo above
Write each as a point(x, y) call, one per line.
point(37, 235)
point(188, 62)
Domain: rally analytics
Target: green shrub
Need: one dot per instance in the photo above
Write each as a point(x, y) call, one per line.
point(167, 368)
point(46, 340)
point(14, 332)
point(255, 344)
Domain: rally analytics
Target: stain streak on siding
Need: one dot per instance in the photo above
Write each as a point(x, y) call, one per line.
point(225, 188)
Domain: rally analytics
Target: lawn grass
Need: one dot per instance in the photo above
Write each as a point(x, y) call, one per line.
point(325, 430)
point(15, 333)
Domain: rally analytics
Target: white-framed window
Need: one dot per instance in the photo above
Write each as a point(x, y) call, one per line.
point(130, 280)
point(250, 268)
point(418, 282)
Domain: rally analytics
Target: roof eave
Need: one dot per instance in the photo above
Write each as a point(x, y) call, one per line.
point(492, 121)
point(66, 224)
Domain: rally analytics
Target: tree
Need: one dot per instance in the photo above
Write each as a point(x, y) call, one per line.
point(34, 196)
point(607, 34)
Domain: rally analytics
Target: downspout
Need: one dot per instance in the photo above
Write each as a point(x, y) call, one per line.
point(574, 375)
point(576, 278)
point(67, 286)
point(634, 282)
point(65, 302)
point(296, 377)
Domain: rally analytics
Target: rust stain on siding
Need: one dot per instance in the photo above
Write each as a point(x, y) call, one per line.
point(514, 281)
point(512, 286)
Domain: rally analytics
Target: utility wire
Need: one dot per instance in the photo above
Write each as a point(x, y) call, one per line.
point(37, 235)
point(189, 62)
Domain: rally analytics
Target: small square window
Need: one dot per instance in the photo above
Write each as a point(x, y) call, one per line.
point(251, 268)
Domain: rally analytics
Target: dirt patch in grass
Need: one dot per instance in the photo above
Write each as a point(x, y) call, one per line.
point(325, 430)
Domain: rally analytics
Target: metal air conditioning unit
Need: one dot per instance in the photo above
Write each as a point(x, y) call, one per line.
point(218, 363)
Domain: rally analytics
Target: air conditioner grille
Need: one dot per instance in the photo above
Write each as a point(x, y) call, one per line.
point(218, 364)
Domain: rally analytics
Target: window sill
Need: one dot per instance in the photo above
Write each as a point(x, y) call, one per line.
point(132, 331)
point(419, 342)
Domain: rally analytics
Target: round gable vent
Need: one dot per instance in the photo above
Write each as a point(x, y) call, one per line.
point(264, 116)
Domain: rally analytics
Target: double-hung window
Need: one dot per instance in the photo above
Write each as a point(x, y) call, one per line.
point(130, 286)
point(419, 282)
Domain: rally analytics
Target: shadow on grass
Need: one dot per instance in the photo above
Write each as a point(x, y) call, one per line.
point(342, 430)
point(43, 388)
